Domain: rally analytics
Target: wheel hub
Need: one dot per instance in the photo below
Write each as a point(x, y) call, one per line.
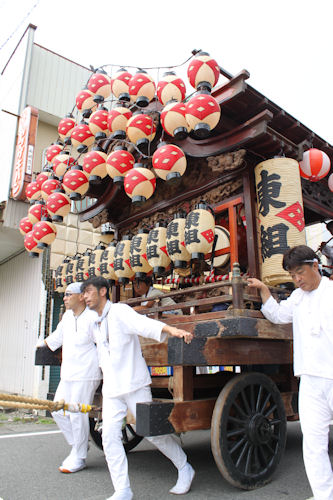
point(260, 430)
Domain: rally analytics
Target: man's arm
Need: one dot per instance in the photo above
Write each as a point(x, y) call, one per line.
point(265, 294)
point(178, 332)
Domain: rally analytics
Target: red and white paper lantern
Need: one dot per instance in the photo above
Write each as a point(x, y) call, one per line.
point(43, 176)
point(202, 114)
point(173, 120)
point(170, 87)
point(121, 263)
point(25, 226)
point(44, 233)
point(315, 165)
point(61, 163)
point(33, 191)
point(85, 102)
point(53, 151)
point(82, 137)
point(141, 130)
point(120, 84)
point(157, 253)
point(94, 165)
point(37, 211)
point(65, 128)
point(138, 254)
point(175, 238)
point(203, 72)
point(330, 182)
point(169, 162)
point(31, 245)
point(141, 88)
point(199, 231)
point(117, 121)
point(75, 183)
point(58, 206)
point(49, 187)
point(100, 84)
point(98, 123)
point(118, 163)
point(139, 184)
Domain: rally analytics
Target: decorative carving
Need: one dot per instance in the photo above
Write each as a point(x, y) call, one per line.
point(226, 162)
point(319, 192)
point(99, 219)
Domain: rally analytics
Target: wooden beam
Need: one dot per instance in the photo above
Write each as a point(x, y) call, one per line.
point(182, 383)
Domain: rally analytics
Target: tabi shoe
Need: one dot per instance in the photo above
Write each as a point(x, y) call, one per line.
point(184, 481)
point(68, 468)
point(125, 494)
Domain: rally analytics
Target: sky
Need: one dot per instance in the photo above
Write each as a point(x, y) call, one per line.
point(286, 45)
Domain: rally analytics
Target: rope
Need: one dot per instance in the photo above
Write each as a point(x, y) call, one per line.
point(12, 401)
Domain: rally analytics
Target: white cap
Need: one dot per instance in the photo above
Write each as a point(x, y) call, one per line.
point(74, 288)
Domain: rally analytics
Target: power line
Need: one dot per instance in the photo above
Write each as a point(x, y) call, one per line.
point(19, 25)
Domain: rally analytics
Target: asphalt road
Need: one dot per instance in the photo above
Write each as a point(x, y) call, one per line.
point(29, 463)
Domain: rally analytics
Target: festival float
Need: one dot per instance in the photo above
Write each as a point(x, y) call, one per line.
point(203, 184)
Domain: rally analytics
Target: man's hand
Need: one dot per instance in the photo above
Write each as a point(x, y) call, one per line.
point(263, 289)
point(178, 332)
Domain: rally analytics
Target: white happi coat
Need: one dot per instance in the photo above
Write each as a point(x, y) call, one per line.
point(79, 353)
point(311, 314)
point(120, 356)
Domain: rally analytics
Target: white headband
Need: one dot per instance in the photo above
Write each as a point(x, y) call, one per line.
point(74, 288)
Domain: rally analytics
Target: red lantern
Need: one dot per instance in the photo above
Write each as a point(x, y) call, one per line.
point(119, 85)
point(43, 176)
point(53, 151)
point(58, 206)
point(25, 226)
point(65, 128)
point(85, 102)
point(330, 182)
point(141, 130)
point(94, 165)
point(141, 88)
point(169, 162)
point(171, 87)
point(37, 211)
point(202, 114)
point(173, 120)
point(31, 245)
point(33, 191)
point(118, 163)
point(75, 183)
point(117, 121)
point(44, 232)
point(139, 184)
point(82, 137)
point(100, 84)
point(61, 163)
point(48, 187)
point(315, 165)
point(203, 72)
point(98, 123)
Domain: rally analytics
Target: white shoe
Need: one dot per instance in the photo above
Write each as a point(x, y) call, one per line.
point(184, 481)
point(69, 468)
point(126, 494)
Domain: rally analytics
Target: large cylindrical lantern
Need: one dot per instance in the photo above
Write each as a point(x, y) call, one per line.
point(118, 163)
point(94, 260)
point(222, 243)
point(48, 187)
point(75, 183)
point(69, 270)
point(139, 184)
point(106, 263)
point(199, 231)
point(33, 191)
point(82, 137)
point(141, 88)
point(58, 206)
point(203, 72)
point(122, 267)
point(280, 215)
point(53, 151)
point(65, 128)
point(60, 285)
point(141, 130)
point(169, 162)
point(81, 267)
point(315, 165)
point(98, 123)
point(85, 102)
point(330, 183)
point(37, 211)
point(202, 114)
point(173, 120)
point(61, 163)
point(138, 254)
point(44, 233)
point(30, 245)
point(94, 165)
point(119, 84)
point(157, 253)
point(100, 84)
point(175, 238)
point(25, 226)
point(170, 87)
point(117, 121)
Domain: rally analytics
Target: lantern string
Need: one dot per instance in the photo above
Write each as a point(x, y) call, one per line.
point(146, 67)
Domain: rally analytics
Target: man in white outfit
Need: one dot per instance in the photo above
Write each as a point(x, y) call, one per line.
point(310, 309)
point(80, 374)
point(126, 382)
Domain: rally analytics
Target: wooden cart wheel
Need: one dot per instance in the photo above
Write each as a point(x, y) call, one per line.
point(248, 431)
point(130, 438)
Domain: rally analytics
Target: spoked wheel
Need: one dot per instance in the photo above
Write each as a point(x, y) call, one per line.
point(130, 438)
point(248, 431)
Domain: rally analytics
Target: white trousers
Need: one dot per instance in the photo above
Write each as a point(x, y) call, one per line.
point(114, 412)
point(75, 426)
point(316, 412)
